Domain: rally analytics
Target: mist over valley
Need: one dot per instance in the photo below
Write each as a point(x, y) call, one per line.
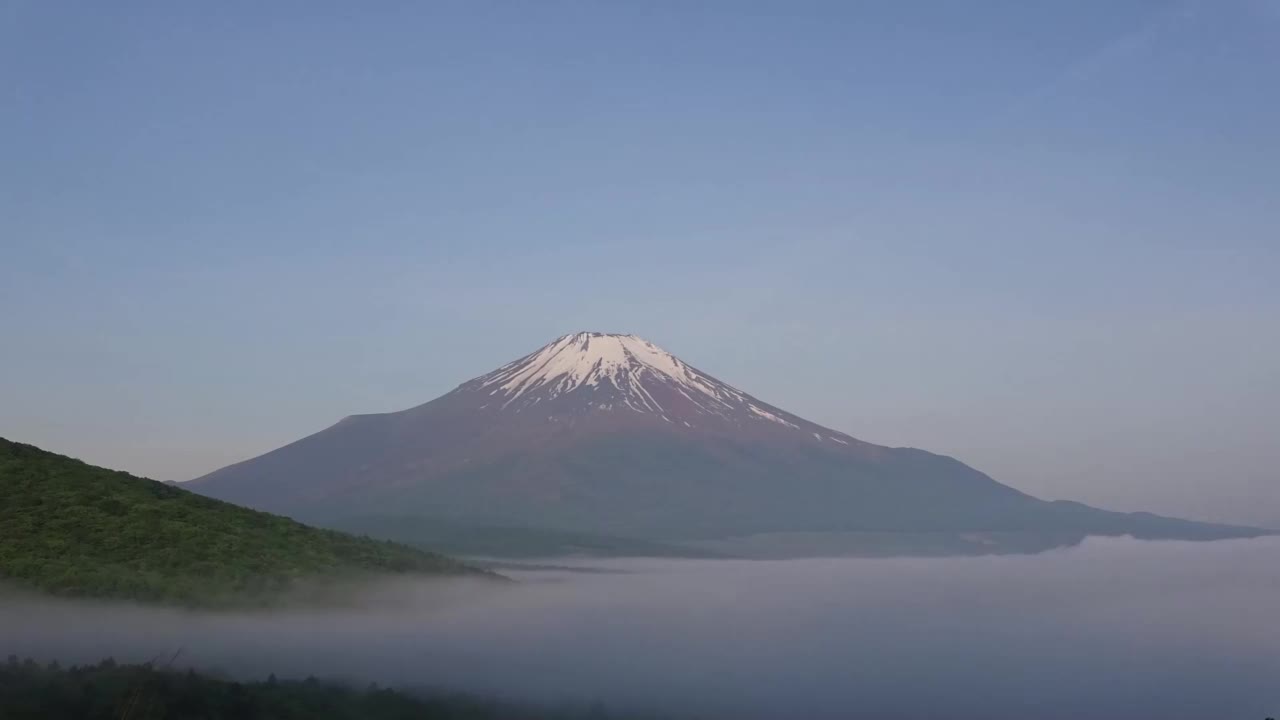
point(1111, 629)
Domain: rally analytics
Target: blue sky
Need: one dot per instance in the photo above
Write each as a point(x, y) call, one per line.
point(1042, 237)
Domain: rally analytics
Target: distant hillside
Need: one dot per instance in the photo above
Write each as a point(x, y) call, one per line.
point(463, 539)
point(70, 528)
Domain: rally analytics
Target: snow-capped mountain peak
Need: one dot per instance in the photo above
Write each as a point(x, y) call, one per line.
point(605, 361)
point(611, 376)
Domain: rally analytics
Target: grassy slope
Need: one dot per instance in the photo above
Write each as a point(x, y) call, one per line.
point(74, 529)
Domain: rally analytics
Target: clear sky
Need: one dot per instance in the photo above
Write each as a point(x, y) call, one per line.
point(1041, 237)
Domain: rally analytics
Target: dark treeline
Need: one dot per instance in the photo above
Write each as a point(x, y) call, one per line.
point(112, 691)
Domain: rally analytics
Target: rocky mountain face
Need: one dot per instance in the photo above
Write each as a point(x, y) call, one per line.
point(610, 433)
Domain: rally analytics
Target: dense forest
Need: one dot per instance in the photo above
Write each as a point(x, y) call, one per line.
point(111, 691)
point(74, 529)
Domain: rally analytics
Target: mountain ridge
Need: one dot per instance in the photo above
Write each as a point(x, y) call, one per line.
point(609, 433)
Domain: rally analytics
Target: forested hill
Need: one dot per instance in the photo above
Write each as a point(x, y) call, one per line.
point(70, 528)
point(108, 691)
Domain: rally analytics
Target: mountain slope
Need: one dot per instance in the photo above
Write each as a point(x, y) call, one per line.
point(609, 433)
point(71, 528)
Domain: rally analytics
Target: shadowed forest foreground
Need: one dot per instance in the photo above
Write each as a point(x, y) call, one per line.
point(112, 691)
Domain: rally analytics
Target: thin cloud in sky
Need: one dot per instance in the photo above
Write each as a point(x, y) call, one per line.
point(1106, 58)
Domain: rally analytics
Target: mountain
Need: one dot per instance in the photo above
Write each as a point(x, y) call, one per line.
point(606, 433)
point(511, 542)
point(74, 529)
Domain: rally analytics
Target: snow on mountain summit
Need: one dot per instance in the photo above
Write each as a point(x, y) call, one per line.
point(625, 363)
point(594, 372)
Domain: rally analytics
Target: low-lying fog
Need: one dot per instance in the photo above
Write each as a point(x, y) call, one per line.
point(1111, 629)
